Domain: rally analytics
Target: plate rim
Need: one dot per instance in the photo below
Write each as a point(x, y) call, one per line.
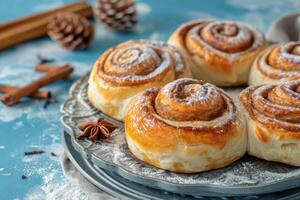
point(91, 169)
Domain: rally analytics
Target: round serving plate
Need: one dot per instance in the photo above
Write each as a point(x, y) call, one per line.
point(247, 176)
point(122, 188)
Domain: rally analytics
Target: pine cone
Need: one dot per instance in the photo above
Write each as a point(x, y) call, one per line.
point(71, 30)
point(119, 15)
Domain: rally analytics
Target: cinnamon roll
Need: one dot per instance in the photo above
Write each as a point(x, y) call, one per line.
point(131, 67)
point(273, 116)
point(186, 126)
point(220, 52)
point(277, 64)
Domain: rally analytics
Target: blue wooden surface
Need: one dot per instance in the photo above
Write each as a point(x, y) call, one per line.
point(28, 126)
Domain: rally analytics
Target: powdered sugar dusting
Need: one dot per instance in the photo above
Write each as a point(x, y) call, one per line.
point(54, 186)
point(245, 32)
point(206, 95)
point(55, 190)
point(264, 66)
point(157, 56)
point(242, 34)
point(274, 105)
point(286, 55)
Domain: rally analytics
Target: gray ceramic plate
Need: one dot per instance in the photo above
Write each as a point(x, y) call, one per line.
point(247, 176)
point(122, 188)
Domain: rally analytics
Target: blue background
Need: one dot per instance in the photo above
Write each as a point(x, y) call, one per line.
point(28, 126)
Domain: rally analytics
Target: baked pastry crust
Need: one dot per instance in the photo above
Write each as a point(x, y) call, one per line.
point(129, 68)
point(273, 118)
point(220, 52)
point(277, 64)
point(186, 126)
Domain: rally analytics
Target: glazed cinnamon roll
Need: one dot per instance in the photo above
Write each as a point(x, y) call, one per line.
point(277, 64)
point(220, 52)
point(273, 115)
point(131, 67)
point(186, 126)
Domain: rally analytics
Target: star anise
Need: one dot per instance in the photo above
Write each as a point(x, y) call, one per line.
point(96, 130)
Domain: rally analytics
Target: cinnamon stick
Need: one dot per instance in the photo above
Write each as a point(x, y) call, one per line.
point(35, 26)
point(37, 94)
point(48, 68)
point(13, 97)
point(72, 7)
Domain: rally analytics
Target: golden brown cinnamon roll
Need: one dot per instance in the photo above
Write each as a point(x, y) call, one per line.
point(186, 126)
point(277, 64)
point(220, 52)
point(131, 67)
point(273, 116)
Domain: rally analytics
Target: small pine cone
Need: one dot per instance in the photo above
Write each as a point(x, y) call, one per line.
point(118, 15)
point(71, 30)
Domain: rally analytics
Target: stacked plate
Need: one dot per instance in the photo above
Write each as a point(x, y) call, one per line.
point(110, 165)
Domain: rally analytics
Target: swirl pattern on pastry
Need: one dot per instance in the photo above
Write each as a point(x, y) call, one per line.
point(273, 113)
point(217, 46)
point(137, 62)
point(129, 68)
point(225, 37)
point(274, 106)
point(279, 63)
point(192, 122)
